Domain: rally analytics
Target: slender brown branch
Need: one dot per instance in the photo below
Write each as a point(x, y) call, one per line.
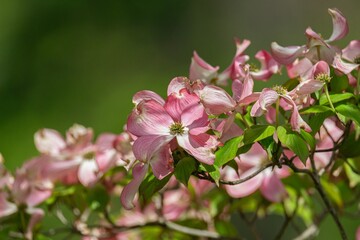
point(288, 219)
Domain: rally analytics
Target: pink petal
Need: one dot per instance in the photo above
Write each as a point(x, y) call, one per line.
point(49, 141)
point(149, 118)
point(88, 172)
point(216, 100)
point(267, 98)
point(177, 102)
point(314, 39)
point(128, 194)
point(321, 67)
point(147, 95)
point(358, 233)
point(161, 163)
point(194, 116)
point(199, 69)
point(176, 84)
point(272, 188)
point(200, 146)
point(146, 146)
point(286, 55)
point(295, 120)
point(268, 66)
point(36, 215)
point(6, 208)
point(299, 68)
point(243, 189)
point(250, 99)
point(308, 87)
point(342, 66)
point(340, 25)
point(352, 51)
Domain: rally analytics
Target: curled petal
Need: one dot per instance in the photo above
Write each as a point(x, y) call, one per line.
point(268, 66)
point(342, 66)
point(321, 67)
point(340, 25)
point(296, 120)
point(49, 141)
point(147, 95)
point(272, 188)
point(315, 39)
point(128, 193)
point(216, 100)
point(266, 99)
point(286, 55)
point(199, 69)
point(6, 208)
point(176, 84)
point(352, 51)
point(149, 118)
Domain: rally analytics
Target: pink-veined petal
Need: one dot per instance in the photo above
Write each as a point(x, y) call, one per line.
point(199, 69)
point(314, 39)
point(6, 208)
point(161, 163)
point(149, 118)
point(49, 141)
point(216, 100)
point(147, 95)
point(299, 68)
point(128, 193)
point(194, 116)
point(342, 66)
point(176, 84)
point(266, 99)
point(146, 146)
point(296, 120)
point(352, 51)
point(177, 102)
point(286, 55)
point(200, 146)
point(321, 67)
point(308, 87)
point(340, 25)
point(272, 188)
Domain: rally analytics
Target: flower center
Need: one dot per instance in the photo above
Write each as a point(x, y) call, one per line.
point(253, 67)
point(357, 60)
point(89, 155)
point(177, 129)
point(280, 90)
point(323, 77)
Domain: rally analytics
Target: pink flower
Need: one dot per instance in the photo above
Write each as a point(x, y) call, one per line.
point(267, 181)
point(199, 69)
point(316, 48)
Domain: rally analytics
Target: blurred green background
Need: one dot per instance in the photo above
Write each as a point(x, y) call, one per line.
point(77, 61)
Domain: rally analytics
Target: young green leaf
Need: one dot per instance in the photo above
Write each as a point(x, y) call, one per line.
point(258, 132)
point(294, 142)
point(336, 98)
point(350, 111)
point(184, 169)
point(228, 151)
point(150, 186)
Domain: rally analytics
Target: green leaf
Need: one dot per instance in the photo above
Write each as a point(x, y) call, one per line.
point(294, 142)
point(228, 151)
point(333, 192)
point(98, 198)
point(350, 111)
point(339, 83)
point(336, 98)
point(151, 185)
point(258, 132)
point(350, 147)
point(354, 179)
point(317, 120)
point(315, 109)
point(213, 171)
point(308, 138)
point(184, 169)
point(225, 228)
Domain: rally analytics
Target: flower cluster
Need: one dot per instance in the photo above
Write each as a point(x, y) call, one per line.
point(210, 149)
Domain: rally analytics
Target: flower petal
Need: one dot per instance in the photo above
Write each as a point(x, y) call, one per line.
point(128, 193)
point(145, 147)
point(272, 188)
point(161, 163)
point(351, 51)
point(286, 55)
point(342, 66)
point(268, 66)
point(340, 25)
point(216, 100)
point(177, 102)
point(199, 69)
point(149, 118)
point(49, 141)
point(147, 95)
point(88, 172)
